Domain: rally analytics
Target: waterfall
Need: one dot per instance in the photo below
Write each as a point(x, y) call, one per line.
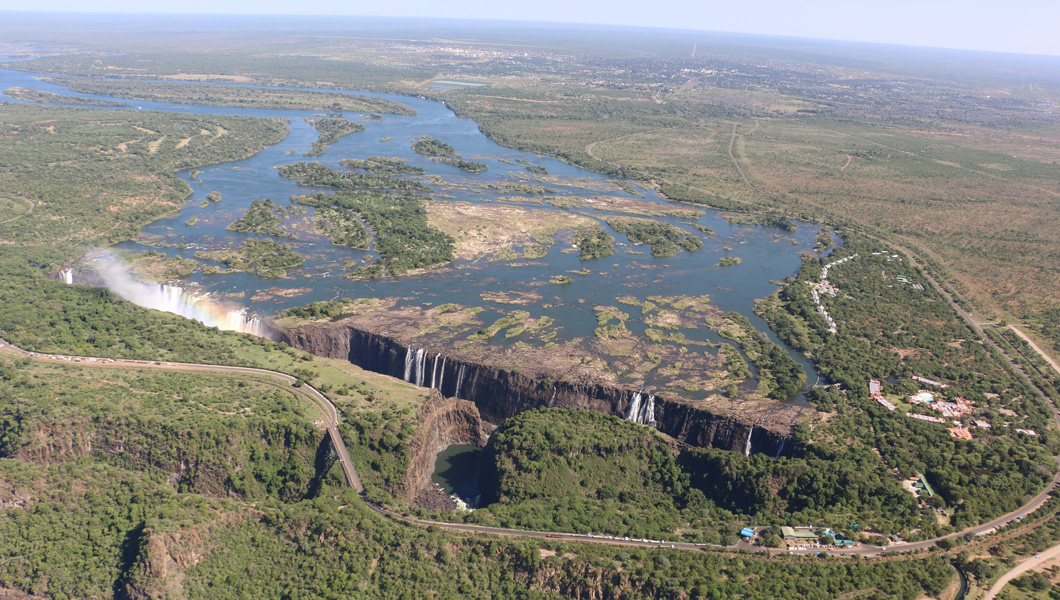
point(459, 380)
point(649, 412)
point(441, 378)
point(421, 371)
point(408, 364)
point(747, 446)
point(434, 369)
point(552, 400)
point(175, 299)
point(633, 412)
point(642, 413)
point(67, 275)
point(781, 448)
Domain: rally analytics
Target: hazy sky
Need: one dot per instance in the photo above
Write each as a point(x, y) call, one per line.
point(1031, 26)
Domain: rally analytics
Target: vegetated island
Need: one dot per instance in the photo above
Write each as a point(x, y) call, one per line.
point(331, 129)
point(230, 95)
point(432, 147)
point(31, 95)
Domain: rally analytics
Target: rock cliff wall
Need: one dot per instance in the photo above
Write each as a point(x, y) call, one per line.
point(443, 423)
point(499, 394)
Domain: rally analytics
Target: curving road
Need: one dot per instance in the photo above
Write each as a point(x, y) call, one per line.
point(354, 481)
point(314, 395)
point(1027, 564)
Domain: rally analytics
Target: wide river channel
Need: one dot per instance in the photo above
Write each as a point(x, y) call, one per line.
point(767, 254)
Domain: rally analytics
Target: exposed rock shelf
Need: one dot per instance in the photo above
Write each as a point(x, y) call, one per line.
point(500, 390)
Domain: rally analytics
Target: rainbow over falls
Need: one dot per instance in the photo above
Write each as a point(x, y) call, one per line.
point(174, 299)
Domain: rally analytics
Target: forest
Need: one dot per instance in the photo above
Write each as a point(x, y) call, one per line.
point(403, 238)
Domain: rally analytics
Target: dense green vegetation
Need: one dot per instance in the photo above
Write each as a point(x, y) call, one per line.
point(890, 329)
point(382, 165)
point(316, 174)
point(331, 129)
point(569, 470)
point(342, 227)
point(664, 238)
point(464, 165)
point(777, 371)
point(261, 219)
point(325, 309)
point(263, 257)
point(432, 147)
point(403, 238)
point(595, 243)
point(123, 178)
point(227, 95)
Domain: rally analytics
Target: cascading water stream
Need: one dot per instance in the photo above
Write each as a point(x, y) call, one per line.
point(421, 371)
point(68, 276)
point(441, 378)
point(434, 370)
point(634, 408)
point(408, 364)
point(747, 446)
point(640, 411)
point(780, 449)
point(459, 380)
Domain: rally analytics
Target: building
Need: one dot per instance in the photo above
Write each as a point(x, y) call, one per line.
point(802, 534)
point(922, 487)
point(747, 532)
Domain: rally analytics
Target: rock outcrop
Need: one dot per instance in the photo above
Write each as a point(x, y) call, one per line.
point(443, 423)
point(499, 393)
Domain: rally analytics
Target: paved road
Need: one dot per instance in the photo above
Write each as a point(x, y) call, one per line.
point(354, 481)
point(1027, 564)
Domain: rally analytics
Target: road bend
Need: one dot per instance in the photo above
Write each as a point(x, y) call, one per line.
point(354, 481)
point(1025, 565)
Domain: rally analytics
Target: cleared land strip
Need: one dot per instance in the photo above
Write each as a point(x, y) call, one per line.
point(1037, 349)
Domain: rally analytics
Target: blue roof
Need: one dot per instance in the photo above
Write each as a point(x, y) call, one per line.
point(747, 532)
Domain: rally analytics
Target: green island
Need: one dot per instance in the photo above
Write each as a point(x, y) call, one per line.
point(31, 95)
point(664, 239)
point(382, 165)
point(432, 147)
point(331, 129)
point(321, 175)
point(228, 95)
point(261, 218)
point(403, 238)
point(264, 257)
point(595, 243)
point(463, 165)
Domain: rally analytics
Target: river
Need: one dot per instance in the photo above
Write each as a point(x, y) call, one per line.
point(767, 254)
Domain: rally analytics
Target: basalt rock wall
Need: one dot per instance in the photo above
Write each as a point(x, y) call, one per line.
point(443, 423)
point(499, 394)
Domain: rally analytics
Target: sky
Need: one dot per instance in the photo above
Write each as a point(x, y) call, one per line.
point(1024, 26)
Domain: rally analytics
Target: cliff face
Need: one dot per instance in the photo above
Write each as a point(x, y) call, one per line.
point(499, 394)
point(444, 422)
